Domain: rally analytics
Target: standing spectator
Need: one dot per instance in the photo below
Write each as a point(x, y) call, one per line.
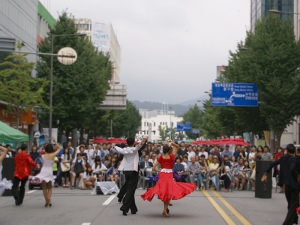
point(71, 149)
point(107, 149)
point(182, 150)
point(93, 153)
point(34, 154)
point(266, 155)
point(10, 152)
point(54, 170)
point(66, 159)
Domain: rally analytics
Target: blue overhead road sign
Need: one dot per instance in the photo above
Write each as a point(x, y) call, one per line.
point(234, 94)
point(186, 127)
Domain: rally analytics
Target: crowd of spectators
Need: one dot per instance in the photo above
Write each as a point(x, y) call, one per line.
point(207, 166)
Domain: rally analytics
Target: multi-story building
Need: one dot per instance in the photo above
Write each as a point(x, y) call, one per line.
point(45, 21)
point(151, 120)
point(289, 10)
point(19, 20)
point(84, 26)
point(104, 38)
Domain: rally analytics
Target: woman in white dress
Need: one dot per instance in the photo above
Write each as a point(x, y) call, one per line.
point(4, 184)
point(46, 174)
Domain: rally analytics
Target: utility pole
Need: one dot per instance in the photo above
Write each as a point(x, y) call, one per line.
point(111, 128)
point(170, 108)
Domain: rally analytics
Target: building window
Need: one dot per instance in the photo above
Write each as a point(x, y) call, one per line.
point(154, 124)
point(172, 124)
point(144, 124)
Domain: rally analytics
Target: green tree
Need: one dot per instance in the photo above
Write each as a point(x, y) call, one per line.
point(195, 116)
point(78, 88)
point(126, 122)
point(271, 62)
point(17, 87)
point(164, 132)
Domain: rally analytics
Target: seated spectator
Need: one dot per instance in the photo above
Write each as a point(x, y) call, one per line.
point(225, 176)
point(114, 174)
point(34, 154)
point(226, 152)
point(197, 158)
point(225, 162)
point(98, 167)
point(88, 179)
point(203, 152)
point(209, 159)
point(66, 159)
point(194, 173)
point(251, 156)
point(146, 163)
point(234, 163)
point(240, 176)
point(107, 161)
point(111, 163)
point(178, 169)
point(252, 178)
point(142, 158)
point(185, 163)
point(213, 171)
point(78, 168)
point(153, 158)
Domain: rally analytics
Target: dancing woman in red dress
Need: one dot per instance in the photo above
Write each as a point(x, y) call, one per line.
point(166, 188)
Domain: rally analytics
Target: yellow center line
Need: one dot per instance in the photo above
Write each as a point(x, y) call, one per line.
point(230, 207)
point(218, 208)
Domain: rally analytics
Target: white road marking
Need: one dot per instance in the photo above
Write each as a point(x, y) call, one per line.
point(28, 192)
point(86, 224)
point(109, 200)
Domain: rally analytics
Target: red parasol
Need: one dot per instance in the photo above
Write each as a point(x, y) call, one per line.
point(99, 140)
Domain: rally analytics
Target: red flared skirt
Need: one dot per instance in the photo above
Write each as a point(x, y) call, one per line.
point(167, 189)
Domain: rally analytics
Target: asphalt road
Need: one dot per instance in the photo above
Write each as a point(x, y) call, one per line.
point(79, 207)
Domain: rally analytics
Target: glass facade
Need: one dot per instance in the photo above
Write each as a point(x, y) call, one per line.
point(260, 8)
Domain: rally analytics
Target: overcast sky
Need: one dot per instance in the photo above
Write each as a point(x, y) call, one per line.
point(170, 48)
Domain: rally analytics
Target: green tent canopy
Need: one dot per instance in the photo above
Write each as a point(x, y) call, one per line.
point(8, 133)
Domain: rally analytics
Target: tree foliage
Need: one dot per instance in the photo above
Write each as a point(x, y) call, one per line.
point(17, 87)
point(164, 132)
point(271, 62)
point(78, 89)
point(195, 116)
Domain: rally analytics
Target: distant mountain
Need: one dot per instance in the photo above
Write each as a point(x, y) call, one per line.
point(178, 108)
point(194, 101)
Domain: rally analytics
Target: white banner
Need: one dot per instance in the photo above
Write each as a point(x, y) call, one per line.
point(101, 36)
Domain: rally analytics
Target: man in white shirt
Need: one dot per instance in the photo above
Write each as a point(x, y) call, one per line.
point(130, 167)
point(190, 153)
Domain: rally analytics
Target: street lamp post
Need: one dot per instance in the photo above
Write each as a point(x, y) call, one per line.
point(51, 79)
point(170, 108)
point(275, 11)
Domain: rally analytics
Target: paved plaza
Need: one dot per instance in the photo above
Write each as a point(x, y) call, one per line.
point(79, 207)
